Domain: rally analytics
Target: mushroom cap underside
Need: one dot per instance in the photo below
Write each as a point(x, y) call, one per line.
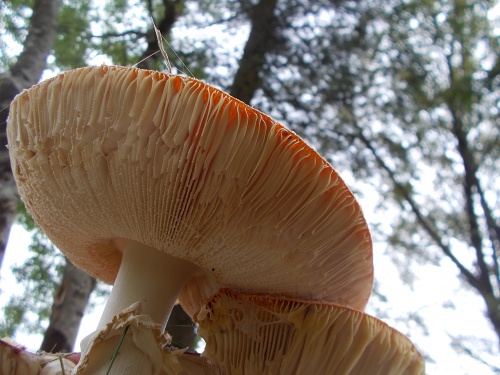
point(108, 152)
point(250, 334)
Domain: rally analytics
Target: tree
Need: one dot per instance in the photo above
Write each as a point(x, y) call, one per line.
point(364, 82)
point(24, 73)
point(260, 41)
point(450, 123)
point(448, 137)
point(69, 305)
point(458, 103)
point(409, 92)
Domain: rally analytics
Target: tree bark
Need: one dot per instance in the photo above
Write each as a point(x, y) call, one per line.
point(260, 42)
point(182, 330)
point(23, 74)
point(69, 305)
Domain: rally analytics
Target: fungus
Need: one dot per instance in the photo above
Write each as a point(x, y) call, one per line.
point(268, 335)
point(170, 188)
point(16, 360)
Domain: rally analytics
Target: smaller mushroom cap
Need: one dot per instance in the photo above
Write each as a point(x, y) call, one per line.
point(247, 334)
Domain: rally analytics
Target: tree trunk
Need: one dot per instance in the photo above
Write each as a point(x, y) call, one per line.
point(69, 305)
point(25, 73)
point(181, 328)
point(260, 42)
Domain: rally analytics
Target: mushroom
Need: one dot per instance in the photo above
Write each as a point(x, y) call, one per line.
point(248, 334)
point(170, 188)
point(133, 332)
point(16, 360)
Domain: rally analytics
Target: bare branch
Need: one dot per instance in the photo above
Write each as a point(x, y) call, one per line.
point(138, 34)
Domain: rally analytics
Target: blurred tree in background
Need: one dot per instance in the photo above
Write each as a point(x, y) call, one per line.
point(401, 96)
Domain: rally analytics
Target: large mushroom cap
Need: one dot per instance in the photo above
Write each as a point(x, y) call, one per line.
point(106, 153)
point(247, 334)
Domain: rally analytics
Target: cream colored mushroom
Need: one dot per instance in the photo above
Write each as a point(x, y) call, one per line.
point(134, 334)
point(16, 360)
point(168, 187)
point(267, 335)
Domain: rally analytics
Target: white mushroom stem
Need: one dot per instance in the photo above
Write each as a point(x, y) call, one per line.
point(154, 279)
point(149, 276)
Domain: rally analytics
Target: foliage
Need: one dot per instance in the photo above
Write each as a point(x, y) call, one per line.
point(14, 17)
point(39, 275)
point(72, 39)
point(405, 94)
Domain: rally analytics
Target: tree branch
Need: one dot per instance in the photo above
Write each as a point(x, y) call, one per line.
point(493, 231)
point(432, 232)
point(138, 34)
point(470, 182)
point(482, 284)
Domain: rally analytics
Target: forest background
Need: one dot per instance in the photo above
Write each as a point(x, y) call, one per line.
point(401, 96)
